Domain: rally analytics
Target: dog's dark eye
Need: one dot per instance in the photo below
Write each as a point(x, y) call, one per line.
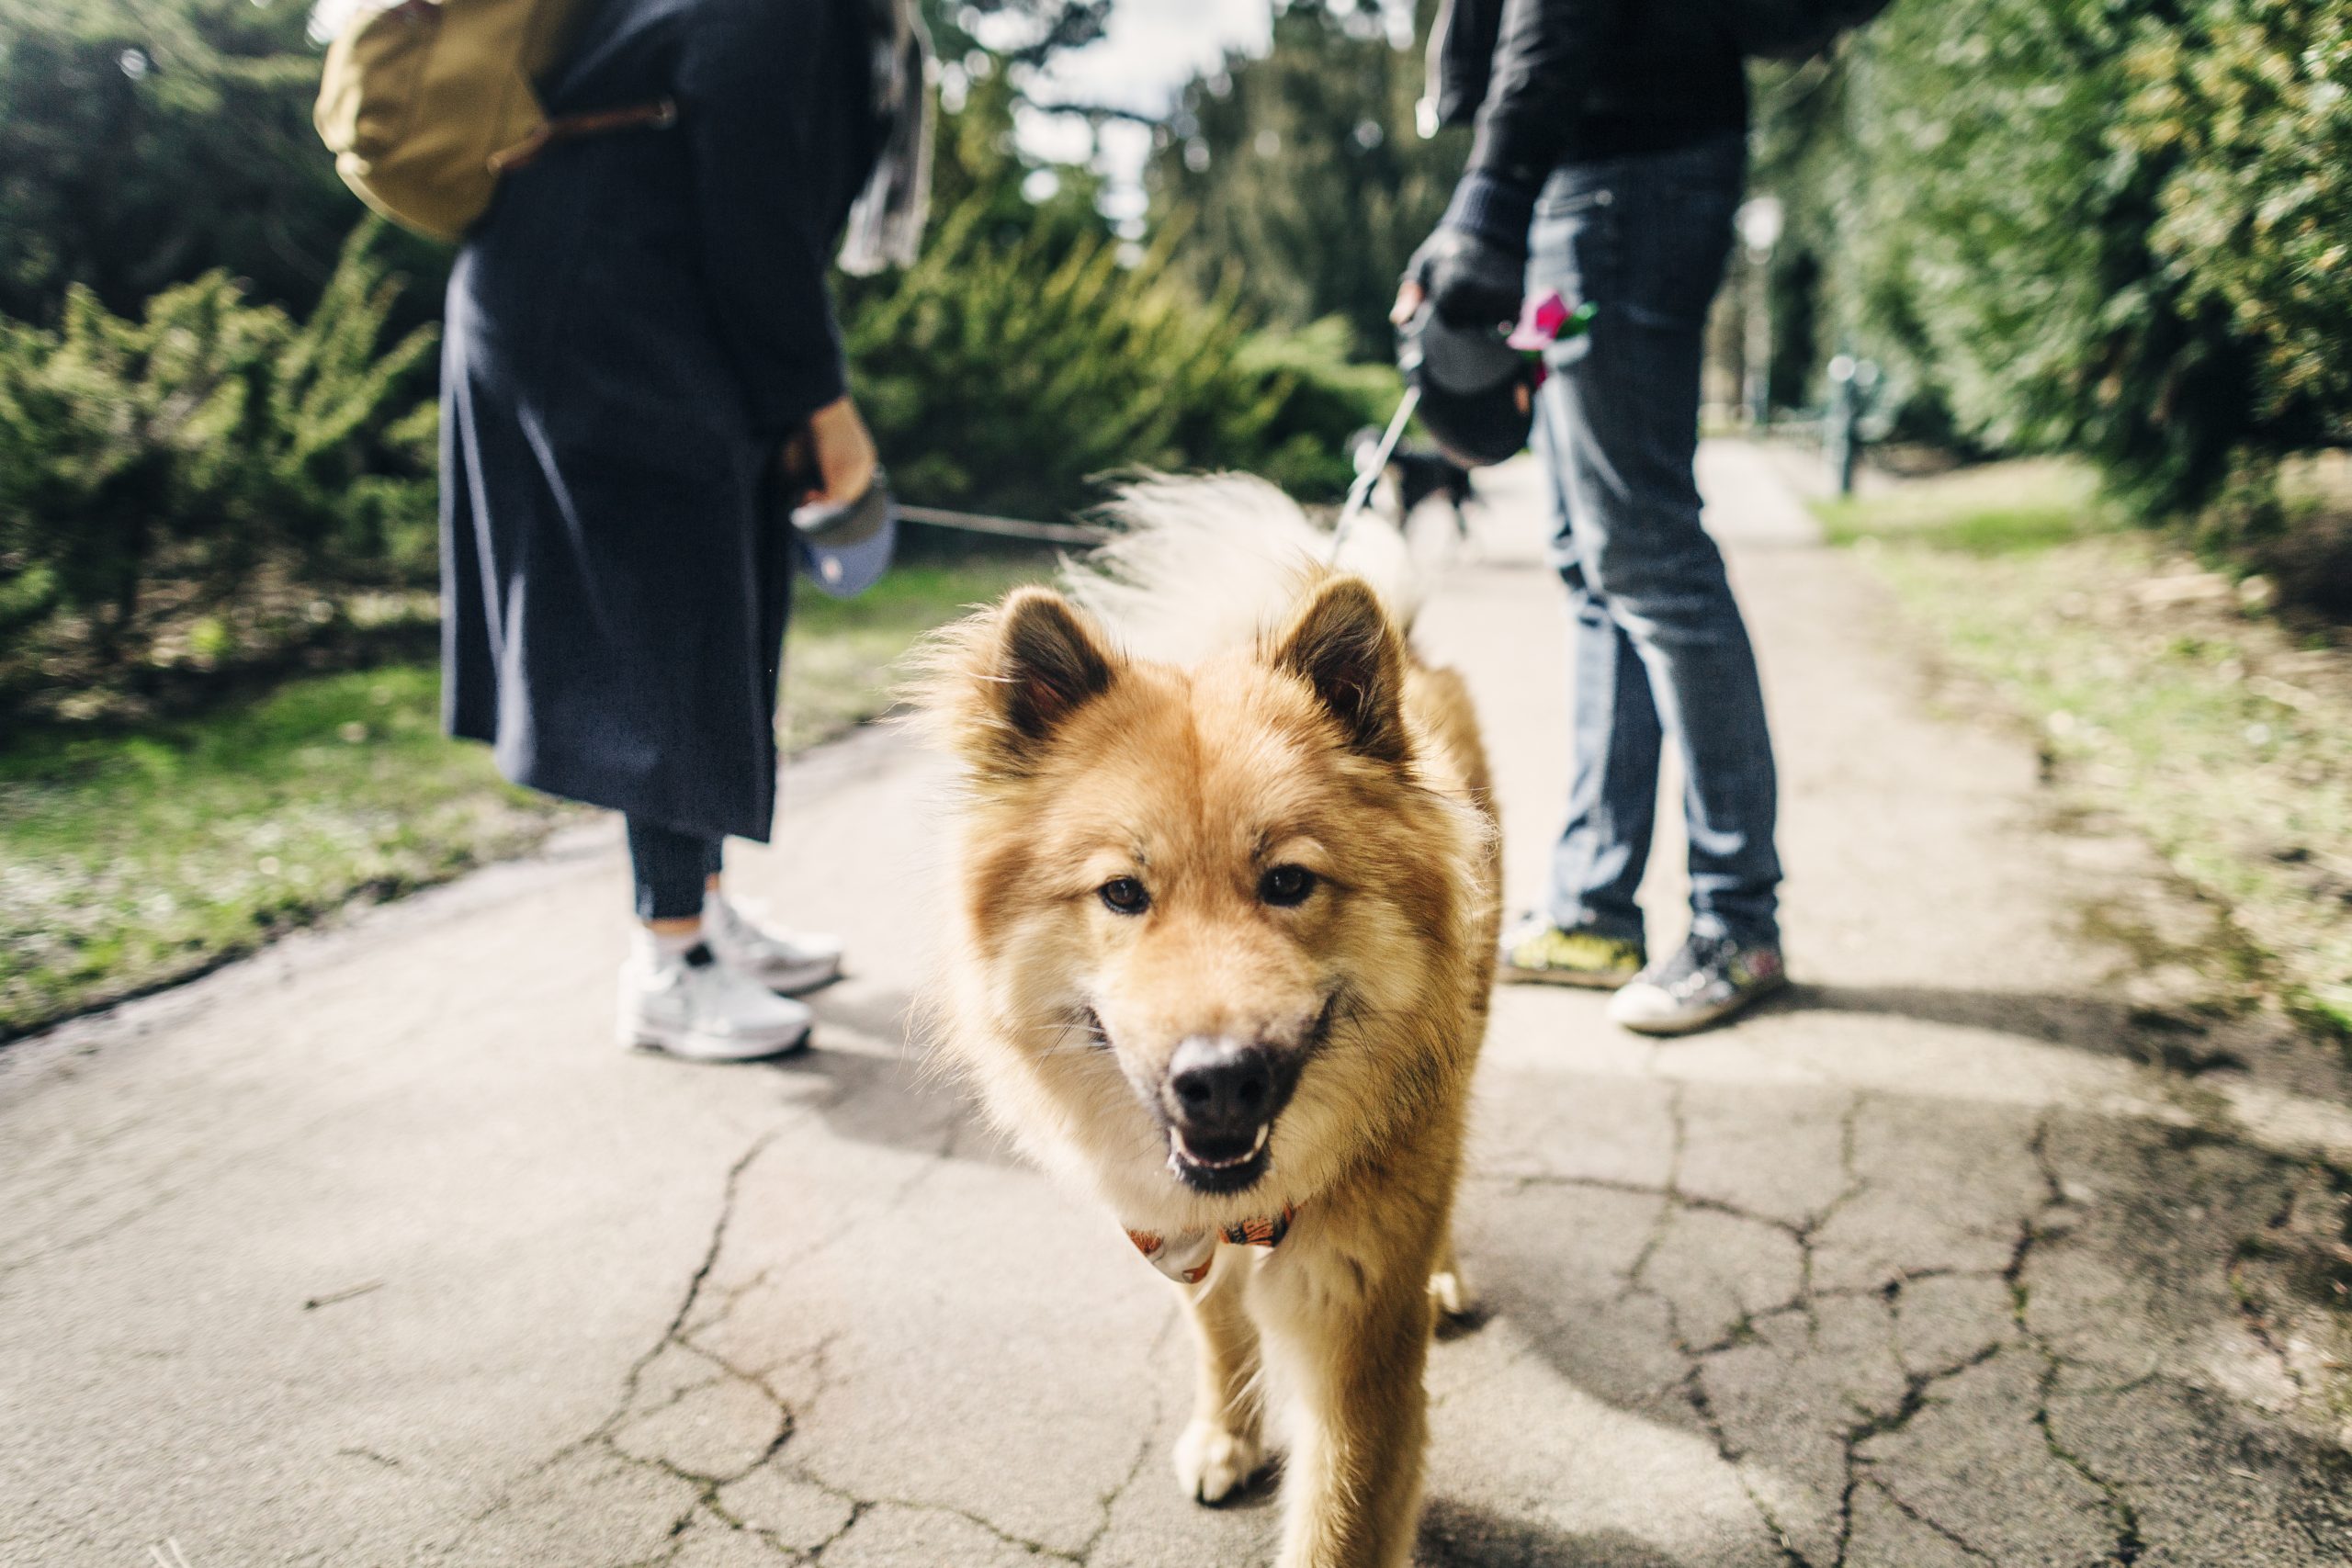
point(1125, 896)
point(1286, 885)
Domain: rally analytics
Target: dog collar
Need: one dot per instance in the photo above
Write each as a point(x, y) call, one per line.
point(1185, 1256)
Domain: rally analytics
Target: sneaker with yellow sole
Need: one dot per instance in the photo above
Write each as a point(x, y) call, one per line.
point(1536, 952)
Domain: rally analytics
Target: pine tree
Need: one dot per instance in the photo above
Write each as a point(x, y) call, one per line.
point(181, 452)
point(1302, 175)
point(143, 145)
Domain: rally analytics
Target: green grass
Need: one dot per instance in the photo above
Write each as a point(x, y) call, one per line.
point(129, 861)
point(2207, 728)
point(840, 654)
point(1999, 508)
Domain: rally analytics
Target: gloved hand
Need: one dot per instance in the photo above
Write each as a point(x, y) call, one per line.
point(1474, 266)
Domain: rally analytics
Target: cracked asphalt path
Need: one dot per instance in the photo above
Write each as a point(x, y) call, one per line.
point(374, 1251)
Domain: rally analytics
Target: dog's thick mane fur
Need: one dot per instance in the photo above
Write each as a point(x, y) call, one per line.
point(1195, 565)
point(1199, 564)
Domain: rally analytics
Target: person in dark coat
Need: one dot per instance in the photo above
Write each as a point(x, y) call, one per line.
point(1608, 158)
point(635, 330)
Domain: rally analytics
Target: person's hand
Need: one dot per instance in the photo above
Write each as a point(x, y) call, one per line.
point(1471, 280)
point(834, 453)
point(1410, 295)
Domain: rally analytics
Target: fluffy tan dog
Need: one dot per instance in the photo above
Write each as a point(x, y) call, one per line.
point(1228, 902)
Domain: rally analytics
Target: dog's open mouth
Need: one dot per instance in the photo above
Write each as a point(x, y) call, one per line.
point(1212, 1168)
point(1221, 1170)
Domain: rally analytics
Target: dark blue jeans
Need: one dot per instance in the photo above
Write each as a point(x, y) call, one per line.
point(1659, 646)
point(672, 867)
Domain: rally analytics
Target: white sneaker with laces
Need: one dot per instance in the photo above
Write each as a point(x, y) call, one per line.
point(1707, 979)
point(788, 962)
point(692, 1005)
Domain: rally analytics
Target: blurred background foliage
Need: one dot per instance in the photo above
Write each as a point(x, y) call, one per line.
point(217, 379)
point(145, 144)
point(1039, 346)
point(208, 482)
point(1304, 179)
point(2115, 226)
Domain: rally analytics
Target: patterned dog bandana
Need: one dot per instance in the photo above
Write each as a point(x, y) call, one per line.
point(1186, 1255)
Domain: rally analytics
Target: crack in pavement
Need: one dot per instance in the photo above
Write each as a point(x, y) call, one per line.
point(1521, 1180)
point(625, 1409)
point(674, 1333)
point(1112, 1499)
point(1919, 1386)
point(2128, 1543)
point(1916, 1391)
point(2051, 1209)
point(628, 1409)
point(1695, 1391)
point(861, 1506)
point(1691, 1386)
point(1693, 1382)
point(1673, 1193)
point(1895, 1500)
point(387, 1460)
point(2123, 1520)
point(816, 1361)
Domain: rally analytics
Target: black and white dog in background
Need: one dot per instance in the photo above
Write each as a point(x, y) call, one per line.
point(1414, 475)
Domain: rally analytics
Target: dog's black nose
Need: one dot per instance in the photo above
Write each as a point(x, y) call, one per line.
point(1219, 1089)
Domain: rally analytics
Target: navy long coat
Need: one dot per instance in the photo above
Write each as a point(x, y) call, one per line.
point(633, 332)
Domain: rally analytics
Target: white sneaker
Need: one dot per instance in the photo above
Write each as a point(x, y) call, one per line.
point(789, 961)
point(696, 1006)
point(1708, 978)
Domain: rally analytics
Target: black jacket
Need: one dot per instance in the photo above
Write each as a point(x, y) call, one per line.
point(1548, 81)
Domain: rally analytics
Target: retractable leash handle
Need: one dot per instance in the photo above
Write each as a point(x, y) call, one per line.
point(845, 546)
point(1471, 368)
point(853, 522)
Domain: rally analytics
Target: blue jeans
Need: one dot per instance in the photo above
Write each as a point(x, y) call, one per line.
point(1659, 646)
point(671, 867)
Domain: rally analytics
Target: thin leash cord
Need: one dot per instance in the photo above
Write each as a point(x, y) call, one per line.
point(1004, 527)
point(1361, 491)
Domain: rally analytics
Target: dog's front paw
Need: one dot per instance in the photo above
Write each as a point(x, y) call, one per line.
point(1212, 1463)
point(1451, 1292)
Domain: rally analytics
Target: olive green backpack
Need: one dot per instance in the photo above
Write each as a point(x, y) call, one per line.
point(427, 102)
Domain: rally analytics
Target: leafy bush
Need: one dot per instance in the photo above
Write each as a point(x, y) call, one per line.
point(157, 468)
point(2249, 105)
point(1034, 349)
point(2073, 223)
point(1327, 397)
point(1012, 376)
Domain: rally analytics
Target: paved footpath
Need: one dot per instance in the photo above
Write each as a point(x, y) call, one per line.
point(375, 1251)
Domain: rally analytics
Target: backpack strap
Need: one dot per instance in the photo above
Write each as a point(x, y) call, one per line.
point(659, 115)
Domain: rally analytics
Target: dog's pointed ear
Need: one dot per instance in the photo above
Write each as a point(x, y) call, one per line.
point(1047, 662)
point(1343, 645)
